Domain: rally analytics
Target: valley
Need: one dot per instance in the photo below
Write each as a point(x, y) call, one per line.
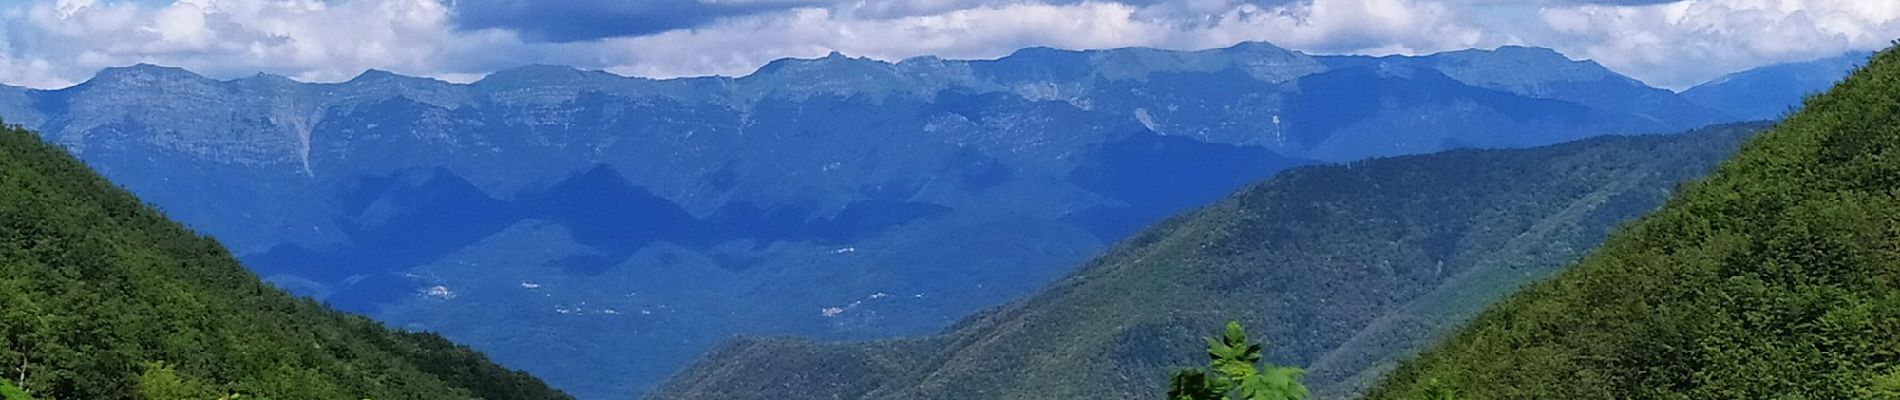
point(603, 231)
point(1345, 269)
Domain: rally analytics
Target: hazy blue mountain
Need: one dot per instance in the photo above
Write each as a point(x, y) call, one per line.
point(1774, 91)
point(601, 231)
point(1343, 269)
point(1545, 74)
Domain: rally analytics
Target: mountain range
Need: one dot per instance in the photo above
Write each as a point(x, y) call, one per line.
point(602, 231)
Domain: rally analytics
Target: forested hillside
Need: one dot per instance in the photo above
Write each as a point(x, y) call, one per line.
point(103, 298)
point(1342, 270)
point(1777, 277)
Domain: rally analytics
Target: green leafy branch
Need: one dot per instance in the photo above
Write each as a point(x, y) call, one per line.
point(1232, 374)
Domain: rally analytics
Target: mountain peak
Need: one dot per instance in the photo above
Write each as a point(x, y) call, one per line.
point(1040, 52)
point(835, 73)
point(923, 60)
point(1515, 55)
point(544, 74)
point(1257, 47)
point(269, 78)
point(833, 66)
point(1529, 51)
point(832, 59)
point(541, 69)
point(1519, 68)
point(148, 68)
point(143, 72)
point(373, 74)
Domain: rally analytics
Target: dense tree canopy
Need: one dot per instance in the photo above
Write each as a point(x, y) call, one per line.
point(1777, 277)
point(101, 297)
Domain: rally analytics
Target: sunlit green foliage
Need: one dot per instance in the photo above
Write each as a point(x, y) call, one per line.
point(1885, 387)
point(162, 382)
point(8, 392)
point(1435, 390)
point(1776, 278)
point(1231, 373)
point(102, 298)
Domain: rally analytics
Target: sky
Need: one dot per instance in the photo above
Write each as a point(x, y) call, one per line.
point(1670, 44)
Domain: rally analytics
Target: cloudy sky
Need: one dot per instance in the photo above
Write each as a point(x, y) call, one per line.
point(1674, 44)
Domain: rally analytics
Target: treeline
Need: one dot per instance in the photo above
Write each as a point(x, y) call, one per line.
point(102, 297)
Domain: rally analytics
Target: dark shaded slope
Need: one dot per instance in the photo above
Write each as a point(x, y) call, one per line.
point(1337, 99)
point(1344, 268)
point(1155, 176)
point(1774, 278)
point(418, 216)
point(103, 298)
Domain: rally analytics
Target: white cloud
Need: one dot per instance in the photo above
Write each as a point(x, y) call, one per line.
point(329, 41)
point(739, 45)
point(57, 43)
point(304, 39)
point(1681, 44)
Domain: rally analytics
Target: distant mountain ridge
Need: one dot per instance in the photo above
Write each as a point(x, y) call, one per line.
point(1342, 269)
point(946, 186)
point(1773, 91)
point(1035, 73)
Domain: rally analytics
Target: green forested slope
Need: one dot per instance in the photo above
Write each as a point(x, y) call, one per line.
point(103, 298)
point(1778, 277)
point(1340, 269)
